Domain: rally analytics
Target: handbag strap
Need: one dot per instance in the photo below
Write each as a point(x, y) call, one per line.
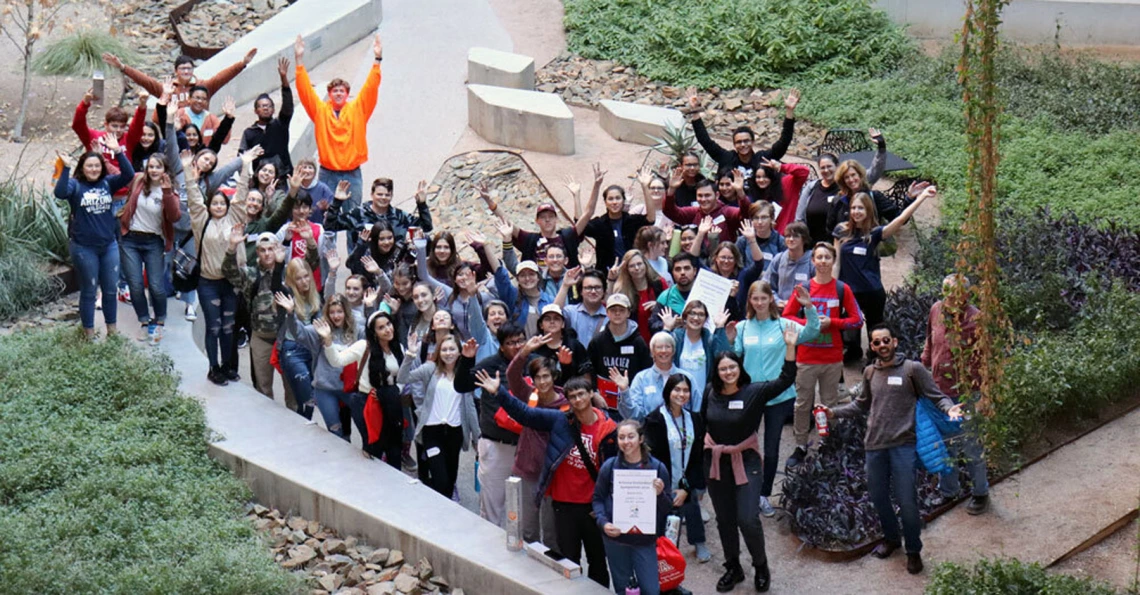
point(586, 460)
point(203, 239)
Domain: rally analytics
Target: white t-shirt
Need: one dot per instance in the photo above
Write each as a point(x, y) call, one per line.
point(694, 361)
point(445, 407)
point(148, 212)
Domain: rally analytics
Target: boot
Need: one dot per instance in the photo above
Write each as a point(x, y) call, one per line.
point(763, 578)
point(733, 576)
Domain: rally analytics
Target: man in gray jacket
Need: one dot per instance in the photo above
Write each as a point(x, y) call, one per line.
point(891, 390)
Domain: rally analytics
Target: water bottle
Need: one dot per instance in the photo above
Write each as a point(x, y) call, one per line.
point(633, 588)
point(673, 528)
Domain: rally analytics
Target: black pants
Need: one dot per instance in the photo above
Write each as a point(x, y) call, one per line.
point(738, 508)
point(576, 529)
point(390, 442)
point(438, 454)
point(872, 304)
point(775, 416)
point(241, 325)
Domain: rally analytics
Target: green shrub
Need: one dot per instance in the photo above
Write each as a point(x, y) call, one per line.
point(81, 53)
point(105, 484)
point(1008, 577)
point(737, 43)
point(31, 218)
point(24, 282)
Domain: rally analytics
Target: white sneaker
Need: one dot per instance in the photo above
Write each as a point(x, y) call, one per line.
point(155, 335)
point(191, 313)
point(766, 507)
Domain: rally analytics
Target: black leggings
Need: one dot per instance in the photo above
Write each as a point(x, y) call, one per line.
point(438, 454)
point(872, 304)
point(390, 442)
point(774, 418)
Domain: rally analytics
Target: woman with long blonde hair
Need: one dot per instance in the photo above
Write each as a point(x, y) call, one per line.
point(296, 360)
point(641, 284)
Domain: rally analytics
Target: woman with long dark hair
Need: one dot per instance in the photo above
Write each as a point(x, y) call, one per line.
point(93, 234)
point(732, 409)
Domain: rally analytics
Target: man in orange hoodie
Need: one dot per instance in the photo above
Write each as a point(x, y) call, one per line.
point(340, 125)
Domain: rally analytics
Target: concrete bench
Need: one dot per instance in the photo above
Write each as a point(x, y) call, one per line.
point(328, 28)
point(632, 123)
point(521, 119)
point(486, 66)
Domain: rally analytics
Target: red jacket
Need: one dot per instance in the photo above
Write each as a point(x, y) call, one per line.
point(794, 177)
point(937, 354)
point(170, 209)
point(727, 218)
point(88, 136)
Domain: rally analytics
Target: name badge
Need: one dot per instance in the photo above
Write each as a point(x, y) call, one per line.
point(832, 303)
point(751, 340)
point(768, 256)
point(627, 349)
point(860, 251)
point(719, 219)
point(432, 452)
point(615, 233)
point(801, 276)
point(894, 380)
point(208, 132)
point(736, 405)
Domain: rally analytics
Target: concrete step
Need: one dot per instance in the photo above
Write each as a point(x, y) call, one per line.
point(486, 66)
point(634, 123)
point(521, 119)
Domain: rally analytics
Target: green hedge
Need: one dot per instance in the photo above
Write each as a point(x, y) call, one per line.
point(1009, 577)
point(105, 485)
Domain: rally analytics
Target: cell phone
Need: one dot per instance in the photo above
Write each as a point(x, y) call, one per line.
point(553, 555)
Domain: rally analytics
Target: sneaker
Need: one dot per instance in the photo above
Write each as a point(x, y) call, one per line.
point(148, 328)
point(914, 563)
point(156, 336)
point(242, 338)
point(703, 553)
point(797, 457)
point(231, 375)
point(766, 507)
point(408, 462)
point(125, 295)
point(215, 375)
point(191, 313)
point(732, 577)
point(978, 505)
point(885, 549)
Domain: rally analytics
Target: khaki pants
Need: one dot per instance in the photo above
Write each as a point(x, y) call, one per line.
point(827, 376)
point(495, 461)
point(260, 350)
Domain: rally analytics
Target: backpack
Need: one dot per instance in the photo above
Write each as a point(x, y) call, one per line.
point(840, 288)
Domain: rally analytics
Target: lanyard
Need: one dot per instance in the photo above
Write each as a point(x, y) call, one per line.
point(683, 431)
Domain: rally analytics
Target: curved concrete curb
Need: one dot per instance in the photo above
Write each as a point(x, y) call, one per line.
point(521, 119)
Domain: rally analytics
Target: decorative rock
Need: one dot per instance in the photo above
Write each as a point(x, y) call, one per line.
point(522, 119)
point(330, 582)
point(486, 66)
point(395, 558)
point(333, 546)
point(407, 584)
point(424, 569)
point(384, 588)
point(379, 556)
point(635, 123)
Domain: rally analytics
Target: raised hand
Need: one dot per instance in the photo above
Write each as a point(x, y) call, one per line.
point(599, 174)
point(270, 189)
point(735, 288)
point(721, 319)
point(572, 185)
point(252, 154)
point(506, 229)
point(421, 192)
point(572, 276)
point(370, 297)
point(165, 183)
point(955, 412)
point(565, 356)
point(144, 95)
point(668, 318)
point(369, 264)
point(324, 331)
point(110, 143)
point(489, 384)
point(737, 181)
point(279, 252)
point(802, 296)
point(693, 100)
point(875, 135)
point(534, 343)
point(916, 188)
point(470, 348)
point(229, 107)
point(167, 91)
point(438, 295)
point(302, 230)
point(791, 100)
point(377, 47)
point(365, 233)
point(284, 302)
point(249, 56)
point(645, 175)
point(333, 259)
point(393, 303)
point(748, 231)
point(474, 236)
point(791, 336)
point(342, 190)
point(237, 236)
point(614, 272)
point(413, 344)
point(299, 49)
point(705, 225)
point(112, 60)
point(773, 164)
point(621, 379)
point(676, 178)
point(283, 68)
point(68, 161)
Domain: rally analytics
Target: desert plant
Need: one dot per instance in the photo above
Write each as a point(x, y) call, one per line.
point(25, 282)
point(81, 54)
point(32, 220)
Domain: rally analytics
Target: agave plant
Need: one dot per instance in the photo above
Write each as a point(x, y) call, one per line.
point(676, 142)
point(32, 220)
point(81, 54)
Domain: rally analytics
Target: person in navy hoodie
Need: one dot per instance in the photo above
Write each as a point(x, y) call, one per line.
point(94, 229)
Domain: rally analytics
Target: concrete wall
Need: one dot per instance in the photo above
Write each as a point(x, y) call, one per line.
point(327, 26)
point(1028, 21)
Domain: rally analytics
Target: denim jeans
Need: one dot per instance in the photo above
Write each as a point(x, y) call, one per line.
point(218, 303)
point(329, 403)
point(627, 560)
point(355, 192)
point(96, 268)
point(965, 445)
point(891, 470)
point(135, 251)
point(296, 368)
point(690, 512)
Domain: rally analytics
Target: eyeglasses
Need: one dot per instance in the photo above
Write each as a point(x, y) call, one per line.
point(515, 342)
point(591, 288)
point(878, 342)
point(697, 315)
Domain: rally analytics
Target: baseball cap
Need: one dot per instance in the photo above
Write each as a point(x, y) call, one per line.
point(550, 309)
point(527, 265)
point(266, 238)
point(546, 206)
point(617, 299)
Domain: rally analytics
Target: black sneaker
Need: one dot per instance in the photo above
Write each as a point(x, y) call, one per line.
point(732, 577)
point(232, 375)
point(216, 376)
point(796, 458)
point(885, 549)
point(914, 563)
point(978, 505)
point(763, 579)
point(242, 338)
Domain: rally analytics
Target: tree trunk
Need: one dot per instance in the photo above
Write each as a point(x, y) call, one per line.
point(18, 130)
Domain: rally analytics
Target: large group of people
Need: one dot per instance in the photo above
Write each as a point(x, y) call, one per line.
point(555, 369)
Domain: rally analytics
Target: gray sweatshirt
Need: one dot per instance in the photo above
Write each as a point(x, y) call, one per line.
point(325, 375)
point(784, 274)
point(890, 393)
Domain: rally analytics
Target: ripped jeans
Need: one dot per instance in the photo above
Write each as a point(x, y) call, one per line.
point(96, 268)
point(296, 371)
point(218, 304)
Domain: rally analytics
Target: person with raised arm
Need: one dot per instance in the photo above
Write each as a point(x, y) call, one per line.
point(272, 133)
point(342, 217)
point(183, 78)
point(613, 232)
point(340, 125)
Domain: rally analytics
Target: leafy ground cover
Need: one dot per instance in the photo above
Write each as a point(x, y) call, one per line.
point(105, 484)
point(1003, 577)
